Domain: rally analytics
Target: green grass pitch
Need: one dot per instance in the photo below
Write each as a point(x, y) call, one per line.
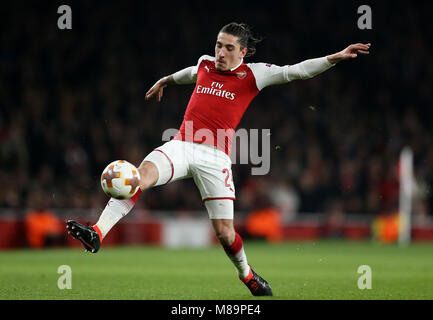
point(295, 270)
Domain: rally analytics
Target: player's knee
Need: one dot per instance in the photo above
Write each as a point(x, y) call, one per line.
point(225, 235)
point(148, 174)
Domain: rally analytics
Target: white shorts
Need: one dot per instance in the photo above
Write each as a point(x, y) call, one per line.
point(207, 165)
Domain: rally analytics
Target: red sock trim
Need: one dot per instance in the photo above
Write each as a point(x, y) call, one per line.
point(135, 197)
point(248, 277)
point(95, 227)
point(235, 247)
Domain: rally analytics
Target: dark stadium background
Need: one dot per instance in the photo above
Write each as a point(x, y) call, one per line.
point(71, 101)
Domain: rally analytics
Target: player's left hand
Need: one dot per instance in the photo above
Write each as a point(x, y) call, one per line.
point(353, 50)
point(350, 52)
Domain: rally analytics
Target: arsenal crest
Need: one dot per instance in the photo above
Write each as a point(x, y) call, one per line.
point(241, 75)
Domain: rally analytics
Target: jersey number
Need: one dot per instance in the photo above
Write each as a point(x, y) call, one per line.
point(227, 184)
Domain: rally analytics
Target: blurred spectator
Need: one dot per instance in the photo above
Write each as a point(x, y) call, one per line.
point(334, 219)
point(385, 227)
point(43, 227)
point(265, 221)
point(285, 198)
point(420, 204)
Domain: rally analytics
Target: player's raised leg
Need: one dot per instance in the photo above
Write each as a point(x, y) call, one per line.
point(232, 243)
point(163, 165)
point(116, 209)
point(91, 236)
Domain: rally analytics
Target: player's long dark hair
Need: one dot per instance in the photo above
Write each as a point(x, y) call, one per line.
point(246, 37)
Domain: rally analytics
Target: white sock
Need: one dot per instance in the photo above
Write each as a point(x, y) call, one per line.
point(113, 212)
point(241, 264)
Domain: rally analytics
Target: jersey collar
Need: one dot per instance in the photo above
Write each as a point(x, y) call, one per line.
point(232, 69)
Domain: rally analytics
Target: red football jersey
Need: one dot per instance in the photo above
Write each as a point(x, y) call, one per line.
point(220, 98)
point(217, 104)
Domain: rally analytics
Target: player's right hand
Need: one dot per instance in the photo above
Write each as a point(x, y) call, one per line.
point(156, 91)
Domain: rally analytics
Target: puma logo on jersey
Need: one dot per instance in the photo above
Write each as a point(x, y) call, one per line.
point(207, 69)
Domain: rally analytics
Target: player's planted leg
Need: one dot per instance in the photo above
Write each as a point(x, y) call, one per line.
point(257, 285)
point(233, 246)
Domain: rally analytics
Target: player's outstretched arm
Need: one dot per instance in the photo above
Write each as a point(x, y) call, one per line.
point(184, 76)
point(267, 74)
point(158, 88)
point(350, 52)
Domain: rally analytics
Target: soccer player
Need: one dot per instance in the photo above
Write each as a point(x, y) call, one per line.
point(224, 87)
